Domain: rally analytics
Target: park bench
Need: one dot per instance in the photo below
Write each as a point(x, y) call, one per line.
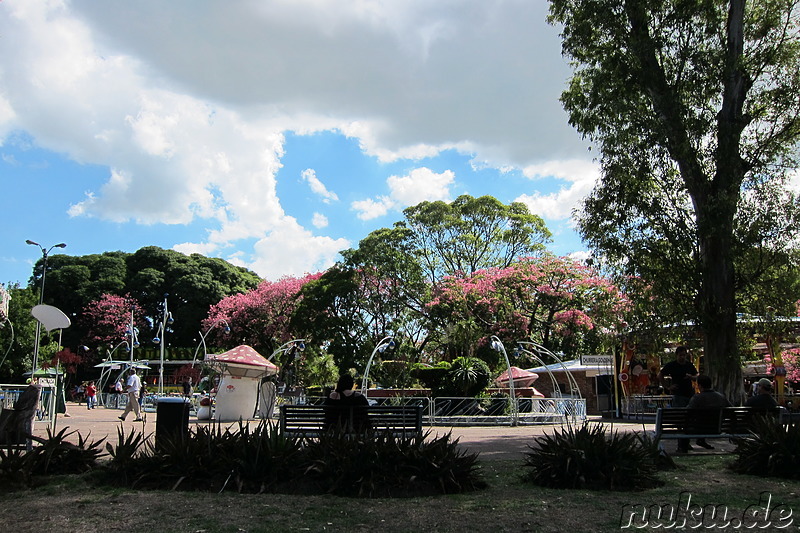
point(724, 423)
point(309, 421)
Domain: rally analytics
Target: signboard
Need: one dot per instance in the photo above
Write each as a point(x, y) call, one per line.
point(596, 360)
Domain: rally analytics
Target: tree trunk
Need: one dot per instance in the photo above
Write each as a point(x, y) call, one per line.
point(718, 309)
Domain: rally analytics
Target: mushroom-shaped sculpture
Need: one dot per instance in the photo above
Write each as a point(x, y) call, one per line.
point(522, 378)
point(242, 369)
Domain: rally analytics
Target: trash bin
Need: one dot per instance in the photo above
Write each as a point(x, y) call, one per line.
point(172, 419)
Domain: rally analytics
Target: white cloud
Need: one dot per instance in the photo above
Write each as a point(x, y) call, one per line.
point(317, 187)
point(290, 249)
point(369, 208)
point(188, 106)
point(580, 176)
point(419, 185)
point(319, 220)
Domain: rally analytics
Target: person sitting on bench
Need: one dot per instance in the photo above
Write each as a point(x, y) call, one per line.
point(708, 398)
point(345, 408)
point(763, 397)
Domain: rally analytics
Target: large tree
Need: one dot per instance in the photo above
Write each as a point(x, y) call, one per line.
point(17, 333)
point(694, 105)
point(471, 234)
point(193, 282)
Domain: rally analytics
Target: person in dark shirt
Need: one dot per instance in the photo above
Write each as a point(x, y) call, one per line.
point(681, 372)
point(345, 408)
point(707, 399)
point(763, 398)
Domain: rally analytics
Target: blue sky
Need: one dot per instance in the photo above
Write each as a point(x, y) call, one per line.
point(273, 134)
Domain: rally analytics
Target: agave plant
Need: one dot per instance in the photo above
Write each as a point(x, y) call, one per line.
point(772, 449)
point(56, 455)
point(591, 458)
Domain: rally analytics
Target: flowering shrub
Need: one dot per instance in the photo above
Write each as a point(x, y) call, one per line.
point(535, 297)
point(791, 362)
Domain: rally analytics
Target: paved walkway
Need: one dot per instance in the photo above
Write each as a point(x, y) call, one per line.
point(493, 442)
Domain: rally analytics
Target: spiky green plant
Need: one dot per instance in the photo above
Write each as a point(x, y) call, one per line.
point(591, 458)
point(57, 455)
point(379, 464)
point(772, 449)
point(15, 468)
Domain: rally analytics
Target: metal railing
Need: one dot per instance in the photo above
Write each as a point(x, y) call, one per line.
point(9, 393)
point(452, 411)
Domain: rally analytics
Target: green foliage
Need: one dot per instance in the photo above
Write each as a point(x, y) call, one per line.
point(379, 465)
point(57, 455)
point(432, 377)
point(467, 377)
point(16, 338)
point(391, 373)
point(54, 456)
point(470, 234)
point(263, 460)
point(193, 282)
point(771, 450)
point(463, 377)
point(590, 458)
point(317, 368)
point(124, 452)
point(693, 107)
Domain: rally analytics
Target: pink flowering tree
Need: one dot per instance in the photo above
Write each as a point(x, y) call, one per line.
point(261, 317)
point(107, 321)
point(557, 302)
point(791, 362)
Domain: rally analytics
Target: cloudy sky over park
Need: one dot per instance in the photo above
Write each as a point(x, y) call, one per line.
point(273, 133)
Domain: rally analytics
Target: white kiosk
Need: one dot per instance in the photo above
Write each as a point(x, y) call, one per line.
point(242, 369)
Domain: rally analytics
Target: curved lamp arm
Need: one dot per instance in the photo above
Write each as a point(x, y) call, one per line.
point(386, 342)
point(203, 339)
point(498, 346)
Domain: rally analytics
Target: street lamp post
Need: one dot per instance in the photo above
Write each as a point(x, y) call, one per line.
point(294, 346)
point(203, 336)
point(498, 346)
point(45, 252)
point(161, 340)
point(386, 342)
point(133, 332)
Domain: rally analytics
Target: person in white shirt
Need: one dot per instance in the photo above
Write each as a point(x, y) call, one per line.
point(132, 387)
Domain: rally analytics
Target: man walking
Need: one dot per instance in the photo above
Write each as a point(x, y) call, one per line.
point(132, 387)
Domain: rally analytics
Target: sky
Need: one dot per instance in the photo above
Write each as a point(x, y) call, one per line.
point(274, 133)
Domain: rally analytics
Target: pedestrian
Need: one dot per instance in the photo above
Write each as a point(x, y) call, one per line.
point(91, 395)
point(187, 387)
point(132, 387)
point(142, 394)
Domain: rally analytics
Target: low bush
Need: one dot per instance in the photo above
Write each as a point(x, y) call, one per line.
point(255, 461)
point(592, 458)
point(771, 450)
point(379, 465)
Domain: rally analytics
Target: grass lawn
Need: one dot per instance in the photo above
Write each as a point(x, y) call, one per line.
point(72, 503)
